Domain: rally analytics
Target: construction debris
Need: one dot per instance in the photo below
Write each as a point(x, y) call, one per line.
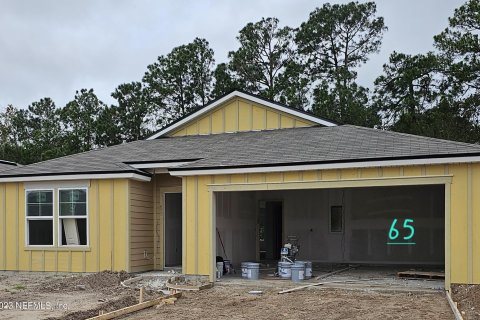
point(255, 292)
point(135, 308)
point(322, 283)
point(182, 284)
point(421, 275)
point(170, 300)
point(454, 306)
point(323, 276)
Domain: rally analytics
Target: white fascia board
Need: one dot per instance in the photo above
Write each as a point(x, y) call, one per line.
point(345, 165)
point(247, 97)
point(158, 165)
point(133, 176)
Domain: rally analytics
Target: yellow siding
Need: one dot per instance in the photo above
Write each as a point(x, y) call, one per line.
point(231, 117)
point(259, 118)
point(204, 125)
point(163, 183)
point(459, 223)
point(192, 129)
point(107, 198)
point(463, 257)
point(141, 226)
point(475, 225)
point(240, 115)
point(218, 121)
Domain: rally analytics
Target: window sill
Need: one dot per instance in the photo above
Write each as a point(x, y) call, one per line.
point(52, 248)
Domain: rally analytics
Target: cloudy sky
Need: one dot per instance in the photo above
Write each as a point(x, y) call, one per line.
point(51, 48)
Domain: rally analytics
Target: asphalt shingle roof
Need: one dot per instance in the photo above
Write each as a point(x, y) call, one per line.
point(258, 148)
point(6, 165)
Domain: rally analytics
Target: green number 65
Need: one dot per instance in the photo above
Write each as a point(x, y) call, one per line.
point(393, 233)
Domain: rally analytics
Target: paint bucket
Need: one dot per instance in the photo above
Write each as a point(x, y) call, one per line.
point(244, 267)
point(285, 269)
point(228, 266)
point(308, 269)
point(298, 271)
point(219, 269)
point(253, 270)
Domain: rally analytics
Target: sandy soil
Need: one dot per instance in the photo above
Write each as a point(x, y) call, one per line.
point(468, 298)
point(229, 302)
point(84, 296)
point(42, 296)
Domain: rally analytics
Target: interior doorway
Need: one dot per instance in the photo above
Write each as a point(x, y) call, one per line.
point(270, 229)
point(173, 229)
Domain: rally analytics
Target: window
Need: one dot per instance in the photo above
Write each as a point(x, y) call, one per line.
point(43, 209)
point(336, 219)
point(39, 216)
point(72, 217)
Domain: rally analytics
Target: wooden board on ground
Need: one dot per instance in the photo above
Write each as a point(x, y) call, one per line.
point(323, 283)
point(453, 305)
point(323, 276)
point(181, 287)
point(134, 308)
point(421, 275)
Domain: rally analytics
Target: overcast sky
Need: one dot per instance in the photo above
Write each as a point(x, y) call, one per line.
point(52, 48)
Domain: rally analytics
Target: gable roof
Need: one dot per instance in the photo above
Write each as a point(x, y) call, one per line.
point(283, 149)
point(7, 165)
point(245, 95)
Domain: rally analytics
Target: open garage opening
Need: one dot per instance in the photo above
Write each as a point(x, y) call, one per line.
point(396, 227)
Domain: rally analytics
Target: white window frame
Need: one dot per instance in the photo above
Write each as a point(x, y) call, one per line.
point(29, 218)
point(59, 218)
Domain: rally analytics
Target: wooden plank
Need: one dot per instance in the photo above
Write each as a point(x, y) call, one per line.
point(453, 305)
point(421, 274)
point(334, 272)
point(134, 308)
point(188, 288)
point(322, 283)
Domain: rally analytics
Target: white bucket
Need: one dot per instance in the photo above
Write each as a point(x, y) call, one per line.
point(244, 267)
point(219, 269)
point(285, 269)
point(228, 266)
point(252, 270)
point(298, 271)
point(308, 269)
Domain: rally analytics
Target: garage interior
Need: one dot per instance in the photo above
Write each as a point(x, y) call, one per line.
point(392, 227)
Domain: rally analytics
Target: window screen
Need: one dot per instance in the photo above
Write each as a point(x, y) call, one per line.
point(336, 219)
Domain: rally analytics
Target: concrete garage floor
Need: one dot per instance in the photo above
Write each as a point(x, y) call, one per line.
point(379, 278)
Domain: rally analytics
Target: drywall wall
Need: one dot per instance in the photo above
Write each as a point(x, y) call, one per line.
point(368, 216)
point(236, 225)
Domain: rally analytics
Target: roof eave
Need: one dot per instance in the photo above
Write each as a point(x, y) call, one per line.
point(365, 163)
point(134, 175)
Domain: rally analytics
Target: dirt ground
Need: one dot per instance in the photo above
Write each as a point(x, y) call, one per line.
point(226, 302)
point(42, 296)
point(83, 297)
point(468, 298)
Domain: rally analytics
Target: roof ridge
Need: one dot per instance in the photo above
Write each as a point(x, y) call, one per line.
point(244, 132)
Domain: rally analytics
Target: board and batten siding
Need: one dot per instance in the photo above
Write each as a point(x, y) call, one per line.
point(462, 207)
point(147, 221)
point(164, 183)
point(107, 225)
point(141, 226)
point(237, 115)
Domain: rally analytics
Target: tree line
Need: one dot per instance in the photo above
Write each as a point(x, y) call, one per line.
point(312, 67)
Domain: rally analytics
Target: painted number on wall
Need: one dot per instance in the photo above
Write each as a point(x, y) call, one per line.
point(394, 233)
